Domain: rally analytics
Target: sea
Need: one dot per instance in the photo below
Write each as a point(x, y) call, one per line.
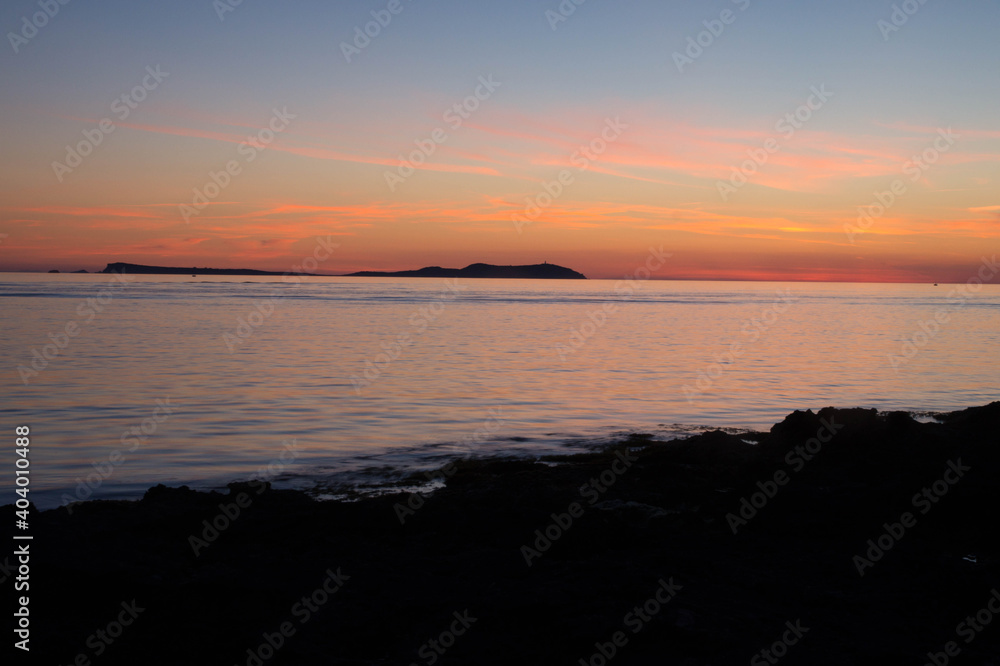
point(344, 387)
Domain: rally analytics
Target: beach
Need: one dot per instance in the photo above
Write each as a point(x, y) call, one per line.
point(838, 536)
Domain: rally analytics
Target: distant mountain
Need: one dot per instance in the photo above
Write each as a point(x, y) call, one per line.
point(532, 272)
point(122, 267)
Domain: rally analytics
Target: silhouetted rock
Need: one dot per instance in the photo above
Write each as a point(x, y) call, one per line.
point(758, 529)
point(531, 272)
point(122, 267)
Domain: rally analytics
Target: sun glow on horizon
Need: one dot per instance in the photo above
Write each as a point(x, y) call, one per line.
point(815, 171)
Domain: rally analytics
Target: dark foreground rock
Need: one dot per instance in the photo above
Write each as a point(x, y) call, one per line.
point(614, 530)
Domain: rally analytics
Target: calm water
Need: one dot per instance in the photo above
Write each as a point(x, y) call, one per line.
point(478, 367)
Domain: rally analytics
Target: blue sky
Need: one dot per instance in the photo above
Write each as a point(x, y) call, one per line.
point(353, 119)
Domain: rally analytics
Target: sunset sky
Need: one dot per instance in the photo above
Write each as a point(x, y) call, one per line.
point(642, 137)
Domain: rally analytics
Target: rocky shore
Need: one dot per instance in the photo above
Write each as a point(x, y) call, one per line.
point(843, 537)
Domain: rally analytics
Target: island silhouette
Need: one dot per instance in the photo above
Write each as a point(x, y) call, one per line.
point(123, 267)
point(543, 271)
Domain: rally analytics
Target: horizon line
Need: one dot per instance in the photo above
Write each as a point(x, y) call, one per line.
point(595, 279)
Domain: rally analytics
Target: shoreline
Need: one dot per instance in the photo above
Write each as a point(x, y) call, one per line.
point(550, 557)
point(360, 475)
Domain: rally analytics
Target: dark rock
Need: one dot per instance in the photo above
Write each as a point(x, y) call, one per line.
point(140, 269)
point(662, 513)
point(530, 272)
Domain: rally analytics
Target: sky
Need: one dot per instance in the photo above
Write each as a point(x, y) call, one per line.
point(856, 140)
